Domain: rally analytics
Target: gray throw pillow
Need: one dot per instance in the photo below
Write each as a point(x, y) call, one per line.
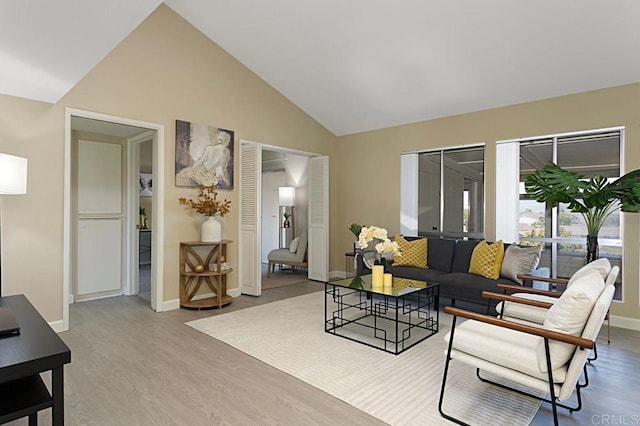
point(519, 260)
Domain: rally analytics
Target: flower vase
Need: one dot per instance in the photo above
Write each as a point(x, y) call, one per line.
point(211, 230)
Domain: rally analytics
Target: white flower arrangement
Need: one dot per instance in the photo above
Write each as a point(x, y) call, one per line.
point(370, 233)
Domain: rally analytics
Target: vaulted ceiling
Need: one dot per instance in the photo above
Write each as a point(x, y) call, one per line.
point(353, 65)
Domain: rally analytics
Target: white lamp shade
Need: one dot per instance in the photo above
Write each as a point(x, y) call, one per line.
point(287, 195)
point(13, 174)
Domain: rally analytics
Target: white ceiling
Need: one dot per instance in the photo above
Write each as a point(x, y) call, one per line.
point(353, 65)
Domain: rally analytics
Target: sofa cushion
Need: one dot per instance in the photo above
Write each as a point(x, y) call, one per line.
point(519, 260)
point(440, 254)
point(412, 253)
point(569, 315)
point(415, 273)
point(486, 259)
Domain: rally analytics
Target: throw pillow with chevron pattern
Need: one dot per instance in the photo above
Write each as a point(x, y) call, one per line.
point(486, 259)
point(412, 253)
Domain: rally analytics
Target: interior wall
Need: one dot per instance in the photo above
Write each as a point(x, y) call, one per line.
point(297, 175)
point(163, 71)
point(374, 197)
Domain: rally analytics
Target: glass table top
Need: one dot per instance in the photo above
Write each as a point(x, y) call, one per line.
point(399, 287)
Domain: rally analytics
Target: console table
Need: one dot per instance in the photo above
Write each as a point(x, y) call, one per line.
point(194, 271)
point(23, 357)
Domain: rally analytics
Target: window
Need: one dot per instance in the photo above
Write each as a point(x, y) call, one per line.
point(451, 192)
point(562, 232)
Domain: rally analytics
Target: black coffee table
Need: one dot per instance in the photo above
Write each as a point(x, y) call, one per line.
point(390, 319)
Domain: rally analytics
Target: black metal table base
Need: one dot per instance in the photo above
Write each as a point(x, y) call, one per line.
point(390, 323)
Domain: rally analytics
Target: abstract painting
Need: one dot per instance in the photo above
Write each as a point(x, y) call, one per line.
point(204, 155)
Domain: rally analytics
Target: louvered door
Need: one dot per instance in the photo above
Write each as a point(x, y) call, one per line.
point(318, 254)
point(249, 275)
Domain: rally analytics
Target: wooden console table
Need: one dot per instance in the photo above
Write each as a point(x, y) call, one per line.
point(194, 272)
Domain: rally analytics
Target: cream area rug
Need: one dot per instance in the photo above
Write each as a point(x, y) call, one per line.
point(397, 389)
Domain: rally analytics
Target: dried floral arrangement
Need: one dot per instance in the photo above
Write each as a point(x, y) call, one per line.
point(207, 203)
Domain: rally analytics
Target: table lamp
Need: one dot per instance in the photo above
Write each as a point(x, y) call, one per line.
point(13, 181)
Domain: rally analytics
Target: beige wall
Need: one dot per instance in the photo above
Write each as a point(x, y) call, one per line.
point(163, 71)
point(166, 70)
point(369, 163)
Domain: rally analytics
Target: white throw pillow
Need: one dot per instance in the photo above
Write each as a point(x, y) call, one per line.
point(602, 266)
point(569, 315)
point(519, 260)
point(294, 245)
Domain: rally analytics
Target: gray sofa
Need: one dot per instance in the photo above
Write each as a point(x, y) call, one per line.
point(448, 264)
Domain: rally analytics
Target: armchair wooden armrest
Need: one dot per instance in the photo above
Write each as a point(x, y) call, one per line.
point(520, 289)
point(515, 299)
point(553, 335)
point(561, 281)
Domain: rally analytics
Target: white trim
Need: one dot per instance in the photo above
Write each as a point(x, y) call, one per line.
point(560, 135)
point(157, 283)
point(234, 292)
point(337, 274)
point(444, 148)
point(625, 322)
point(170, 305)
point(58, 326)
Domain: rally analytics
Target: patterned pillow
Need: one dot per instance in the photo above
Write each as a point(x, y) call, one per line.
point(486, 260)
point(412, 253)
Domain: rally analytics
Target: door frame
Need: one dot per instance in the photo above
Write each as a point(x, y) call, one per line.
point(158, 207)
point(258, 200)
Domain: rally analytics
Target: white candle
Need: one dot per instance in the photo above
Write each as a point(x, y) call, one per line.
point(377, 272)
point(388, 280)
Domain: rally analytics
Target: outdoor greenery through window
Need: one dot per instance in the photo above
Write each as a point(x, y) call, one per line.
point(563, 232)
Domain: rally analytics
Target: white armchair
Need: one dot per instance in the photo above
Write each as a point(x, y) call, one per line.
point(548, 358)
point(285, 256)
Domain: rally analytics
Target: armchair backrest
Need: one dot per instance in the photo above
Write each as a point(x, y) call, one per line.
point(602, 265)
point(613, 275)
point(591, 330)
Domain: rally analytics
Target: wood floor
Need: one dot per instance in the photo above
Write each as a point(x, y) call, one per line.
point(132, 366)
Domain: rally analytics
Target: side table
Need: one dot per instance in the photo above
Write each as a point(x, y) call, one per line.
point(194, 272)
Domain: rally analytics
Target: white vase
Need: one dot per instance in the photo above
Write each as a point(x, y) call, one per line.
point(211, 230)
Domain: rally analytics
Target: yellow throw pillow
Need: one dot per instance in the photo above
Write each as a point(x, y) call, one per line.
point(412, 253)
point(486, 260)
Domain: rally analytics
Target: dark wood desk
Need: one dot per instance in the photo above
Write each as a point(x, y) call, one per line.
point(37, 349)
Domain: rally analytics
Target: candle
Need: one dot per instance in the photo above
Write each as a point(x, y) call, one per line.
point(377, 272)
point(388, 280)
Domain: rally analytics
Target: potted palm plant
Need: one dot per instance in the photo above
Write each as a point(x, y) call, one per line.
point(595, 198)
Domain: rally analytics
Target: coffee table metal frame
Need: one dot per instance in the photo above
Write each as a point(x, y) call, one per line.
point(391, 322)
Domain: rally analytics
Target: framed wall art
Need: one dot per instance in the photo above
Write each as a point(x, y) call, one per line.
point(204, 155)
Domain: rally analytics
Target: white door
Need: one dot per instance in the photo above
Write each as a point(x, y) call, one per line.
point(271, 181)
point(250, 274)
point(318, 255)
point(99, 219)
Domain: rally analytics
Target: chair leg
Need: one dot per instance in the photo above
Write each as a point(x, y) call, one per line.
point(269, 269)
point(33, 419)
point(608, 327)
point(595, 353)
point(552, 389)
point(444, 378)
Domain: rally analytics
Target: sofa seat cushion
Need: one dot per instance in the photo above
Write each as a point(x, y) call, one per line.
point(502, 346)
point(464, 286)
point(415, 273)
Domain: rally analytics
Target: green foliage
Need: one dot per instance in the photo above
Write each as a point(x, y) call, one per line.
point(595, 199)
point(355, 229)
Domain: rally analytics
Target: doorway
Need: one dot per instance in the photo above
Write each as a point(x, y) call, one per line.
point(103, 235)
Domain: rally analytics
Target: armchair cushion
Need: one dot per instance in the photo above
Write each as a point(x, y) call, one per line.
point(526, 312)
point(569, 315)
point(602, 266)
point(293, 247)
point(519, 260)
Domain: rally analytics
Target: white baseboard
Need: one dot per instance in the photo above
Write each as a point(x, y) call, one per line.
point(624, 322)
point(58, 326)
point(337, 274)
point(170, 305)
point(234, 292)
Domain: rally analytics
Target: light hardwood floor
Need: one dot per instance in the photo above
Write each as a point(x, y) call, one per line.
point(131, 366)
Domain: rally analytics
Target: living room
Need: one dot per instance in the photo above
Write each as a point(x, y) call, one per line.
point(166, 69)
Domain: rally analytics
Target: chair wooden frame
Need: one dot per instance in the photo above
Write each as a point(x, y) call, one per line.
point(547, 335)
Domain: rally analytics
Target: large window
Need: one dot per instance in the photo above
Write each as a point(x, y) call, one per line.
point(451, 192)
point(562, 232)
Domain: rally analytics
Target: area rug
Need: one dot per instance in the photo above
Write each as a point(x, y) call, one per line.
point(399, 390)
